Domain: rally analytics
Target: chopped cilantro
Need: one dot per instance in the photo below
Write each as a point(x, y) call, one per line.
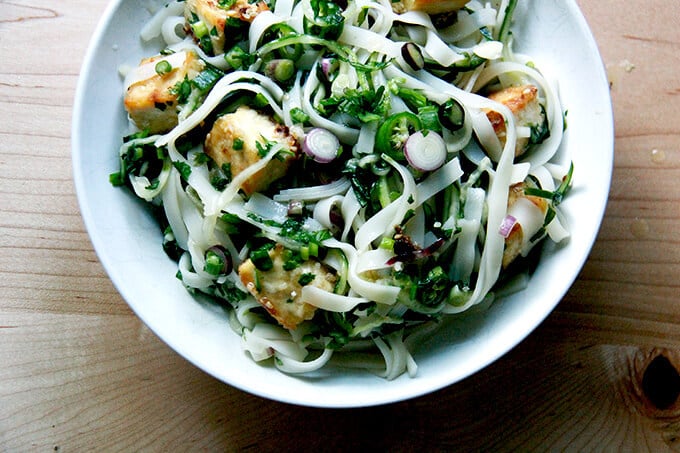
point(201, 158)
point(540, 132)
point(366, 105)
point(183, 168)
point(327, 22)
point(264, 148)
point(220, 178)
point(261, 259)
point(306, 278)
point(229, 292)
point(291, 259)
point(237, 144)
point(182, 90)
point(363, 180)
point(295, 230)
point(140, 160)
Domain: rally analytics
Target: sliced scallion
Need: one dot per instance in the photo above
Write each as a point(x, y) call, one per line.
point(163, 67)
point(214, 262)
point(261, 259)
point(199, 29)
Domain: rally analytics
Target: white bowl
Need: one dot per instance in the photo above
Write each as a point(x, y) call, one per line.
point(127, 239)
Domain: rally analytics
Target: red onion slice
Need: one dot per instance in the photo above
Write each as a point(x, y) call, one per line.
point(321, 145)
point(425, 152)
point(507, 225)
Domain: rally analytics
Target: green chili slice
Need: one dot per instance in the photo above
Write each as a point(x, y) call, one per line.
point(393, 133)
point(163, 67)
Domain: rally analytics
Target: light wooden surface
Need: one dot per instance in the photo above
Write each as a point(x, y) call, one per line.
point(79, 372)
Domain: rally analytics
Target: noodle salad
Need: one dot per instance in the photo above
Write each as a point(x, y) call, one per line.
point(343, 175)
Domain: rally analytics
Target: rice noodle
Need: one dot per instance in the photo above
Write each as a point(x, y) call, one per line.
point(314, 193)
point(329, 301)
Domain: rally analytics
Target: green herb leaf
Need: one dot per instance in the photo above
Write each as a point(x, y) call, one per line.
point(201, 158)
point(139, 160)
point(299, 116)
point(229, 292)
point(237, 145)
point(366, 105)
point(261, 259)
point(328, 20)
point(183, 168)
point(264, 148)
point(540, 132)
point(306, 278)
point(182, 90)
point(363, 180)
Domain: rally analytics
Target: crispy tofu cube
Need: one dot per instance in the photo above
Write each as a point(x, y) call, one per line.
point(150, 98)
point(279, 290)
point(214, 18)
point(514, 241)
point(523, 103)
point(428, 6)
point(234, 140)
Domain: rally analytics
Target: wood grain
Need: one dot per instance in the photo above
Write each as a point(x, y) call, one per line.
point(80, 372)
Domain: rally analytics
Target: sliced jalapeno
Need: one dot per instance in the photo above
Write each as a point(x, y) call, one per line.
point(452, 115)
point(393, 133)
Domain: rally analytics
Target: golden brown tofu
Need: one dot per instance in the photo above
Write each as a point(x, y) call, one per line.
point(215, 18)
point(150, 99)
point(514, 241)
point(523, 103)
point(428, 6)
point(234, 140)
point(279, 291)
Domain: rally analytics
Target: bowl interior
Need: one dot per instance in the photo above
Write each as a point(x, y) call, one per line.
point(127, 239)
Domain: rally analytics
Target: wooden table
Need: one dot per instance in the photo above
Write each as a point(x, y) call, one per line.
point(79, 372)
